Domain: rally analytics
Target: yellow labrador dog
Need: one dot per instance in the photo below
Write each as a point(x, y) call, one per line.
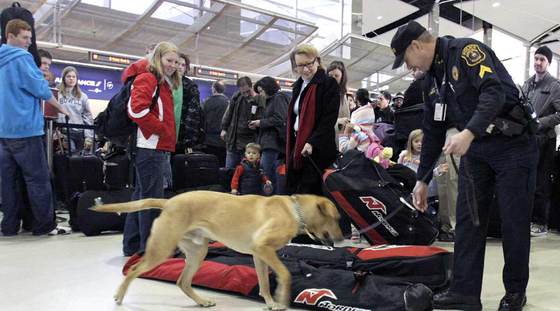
point(249, 224)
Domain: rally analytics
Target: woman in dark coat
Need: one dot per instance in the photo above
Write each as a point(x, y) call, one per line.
point(271, 126)
point(312, 115)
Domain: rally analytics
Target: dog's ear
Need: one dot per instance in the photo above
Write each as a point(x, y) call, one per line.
point(327, 208)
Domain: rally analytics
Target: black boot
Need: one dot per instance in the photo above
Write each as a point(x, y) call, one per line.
point(513, 302)
point(454, 301)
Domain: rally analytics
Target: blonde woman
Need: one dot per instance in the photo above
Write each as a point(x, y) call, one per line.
point(155, 137)
point(76, 102)
point(312, 115)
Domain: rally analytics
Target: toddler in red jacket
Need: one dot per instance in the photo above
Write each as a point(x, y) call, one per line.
point(249, 178)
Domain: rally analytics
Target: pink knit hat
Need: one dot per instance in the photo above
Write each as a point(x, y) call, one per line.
point(363, 116)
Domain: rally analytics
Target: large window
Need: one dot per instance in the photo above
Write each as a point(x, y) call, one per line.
point(333, 21)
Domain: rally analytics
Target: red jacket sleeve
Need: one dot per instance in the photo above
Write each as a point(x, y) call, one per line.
point(139, 110)
point(235, 179)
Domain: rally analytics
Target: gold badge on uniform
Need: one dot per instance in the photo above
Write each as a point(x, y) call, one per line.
point(455, 73)
point(473, 55)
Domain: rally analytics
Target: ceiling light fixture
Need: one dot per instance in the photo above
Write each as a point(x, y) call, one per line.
point(495, 4)
point(379, 17)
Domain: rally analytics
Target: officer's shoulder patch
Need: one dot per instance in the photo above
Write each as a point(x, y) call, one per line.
point(473, 54)
point(455, 73)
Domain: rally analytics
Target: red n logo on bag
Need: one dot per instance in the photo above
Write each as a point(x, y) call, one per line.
point(311, 296)
point(374, 205)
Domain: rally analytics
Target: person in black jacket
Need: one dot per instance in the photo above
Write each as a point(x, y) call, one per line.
point(213, 110)
point(470, 88)
point(312, 114)
point(243, 108)
point(190, 132)
point(271, 126)
point(383, 111)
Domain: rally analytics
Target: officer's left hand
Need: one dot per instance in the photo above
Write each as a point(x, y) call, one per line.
point(459, 144)
point(420, 196)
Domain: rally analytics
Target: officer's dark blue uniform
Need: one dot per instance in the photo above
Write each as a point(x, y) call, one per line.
point(475, 89)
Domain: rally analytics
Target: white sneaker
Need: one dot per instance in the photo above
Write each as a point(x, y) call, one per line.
point(538, 230)
point(60, 230)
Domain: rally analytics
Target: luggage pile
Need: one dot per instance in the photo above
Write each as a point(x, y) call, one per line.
point(328, 278)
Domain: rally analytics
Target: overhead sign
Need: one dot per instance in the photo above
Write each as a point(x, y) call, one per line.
point(110, 59)
point(214, 73)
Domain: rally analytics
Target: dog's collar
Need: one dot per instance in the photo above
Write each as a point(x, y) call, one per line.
point(298, 214)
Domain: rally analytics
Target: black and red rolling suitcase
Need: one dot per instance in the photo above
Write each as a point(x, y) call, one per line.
point(377, 204)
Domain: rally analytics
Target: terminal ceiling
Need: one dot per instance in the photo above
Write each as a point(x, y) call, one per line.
point(230, 34)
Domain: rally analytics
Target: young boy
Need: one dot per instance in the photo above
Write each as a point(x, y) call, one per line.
point(249, 177)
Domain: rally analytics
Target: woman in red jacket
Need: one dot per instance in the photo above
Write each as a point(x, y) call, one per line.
point(155, 136)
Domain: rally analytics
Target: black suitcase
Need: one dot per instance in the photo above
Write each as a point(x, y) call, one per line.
point(75, 175)
point(94, 223)
point(194, 170)
point(117, 167)
point(78, 174)
point(373, 200)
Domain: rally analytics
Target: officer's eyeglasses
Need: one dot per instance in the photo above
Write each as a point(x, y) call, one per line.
point(307, 65)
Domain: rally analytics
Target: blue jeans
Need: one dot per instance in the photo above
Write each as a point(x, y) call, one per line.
point(233, 158)
point(150, 166)
point(504, 167)
point(27, 154)
point(167, 173)
point(268, 163)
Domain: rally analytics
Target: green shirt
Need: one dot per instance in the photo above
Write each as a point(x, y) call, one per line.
point(178, 107)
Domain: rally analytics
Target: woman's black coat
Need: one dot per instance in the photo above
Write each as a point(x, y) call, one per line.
point(323, 134)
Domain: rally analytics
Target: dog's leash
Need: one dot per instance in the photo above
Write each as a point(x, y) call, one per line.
point(471, 204)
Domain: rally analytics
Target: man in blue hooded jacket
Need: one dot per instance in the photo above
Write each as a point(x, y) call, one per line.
point(21, 132)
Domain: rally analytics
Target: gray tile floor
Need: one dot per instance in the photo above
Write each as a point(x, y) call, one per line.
point(74, 272)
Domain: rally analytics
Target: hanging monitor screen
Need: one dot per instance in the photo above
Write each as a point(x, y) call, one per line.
point(110, 59)
point(214, 73)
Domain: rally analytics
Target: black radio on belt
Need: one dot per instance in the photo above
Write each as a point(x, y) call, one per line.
point(529, 112)
point(520, 119)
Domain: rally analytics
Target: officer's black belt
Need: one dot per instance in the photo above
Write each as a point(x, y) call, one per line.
point(514, 124)
point(505, 127)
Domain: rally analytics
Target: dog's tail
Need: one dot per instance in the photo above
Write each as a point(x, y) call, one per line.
point(132, 206)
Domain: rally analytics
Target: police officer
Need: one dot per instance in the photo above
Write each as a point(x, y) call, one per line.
point(498, 157)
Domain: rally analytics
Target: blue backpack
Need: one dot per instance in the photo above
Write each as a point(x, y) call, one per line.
point(114, 121)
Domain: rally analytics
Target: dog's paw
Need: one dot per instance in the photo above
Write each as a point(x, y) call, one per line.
point(207, 303)
point(118, 299)
point(275, 307)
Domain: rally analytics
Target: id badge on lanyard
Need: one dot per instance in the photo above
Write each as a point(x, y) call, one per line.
point(440, 108)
